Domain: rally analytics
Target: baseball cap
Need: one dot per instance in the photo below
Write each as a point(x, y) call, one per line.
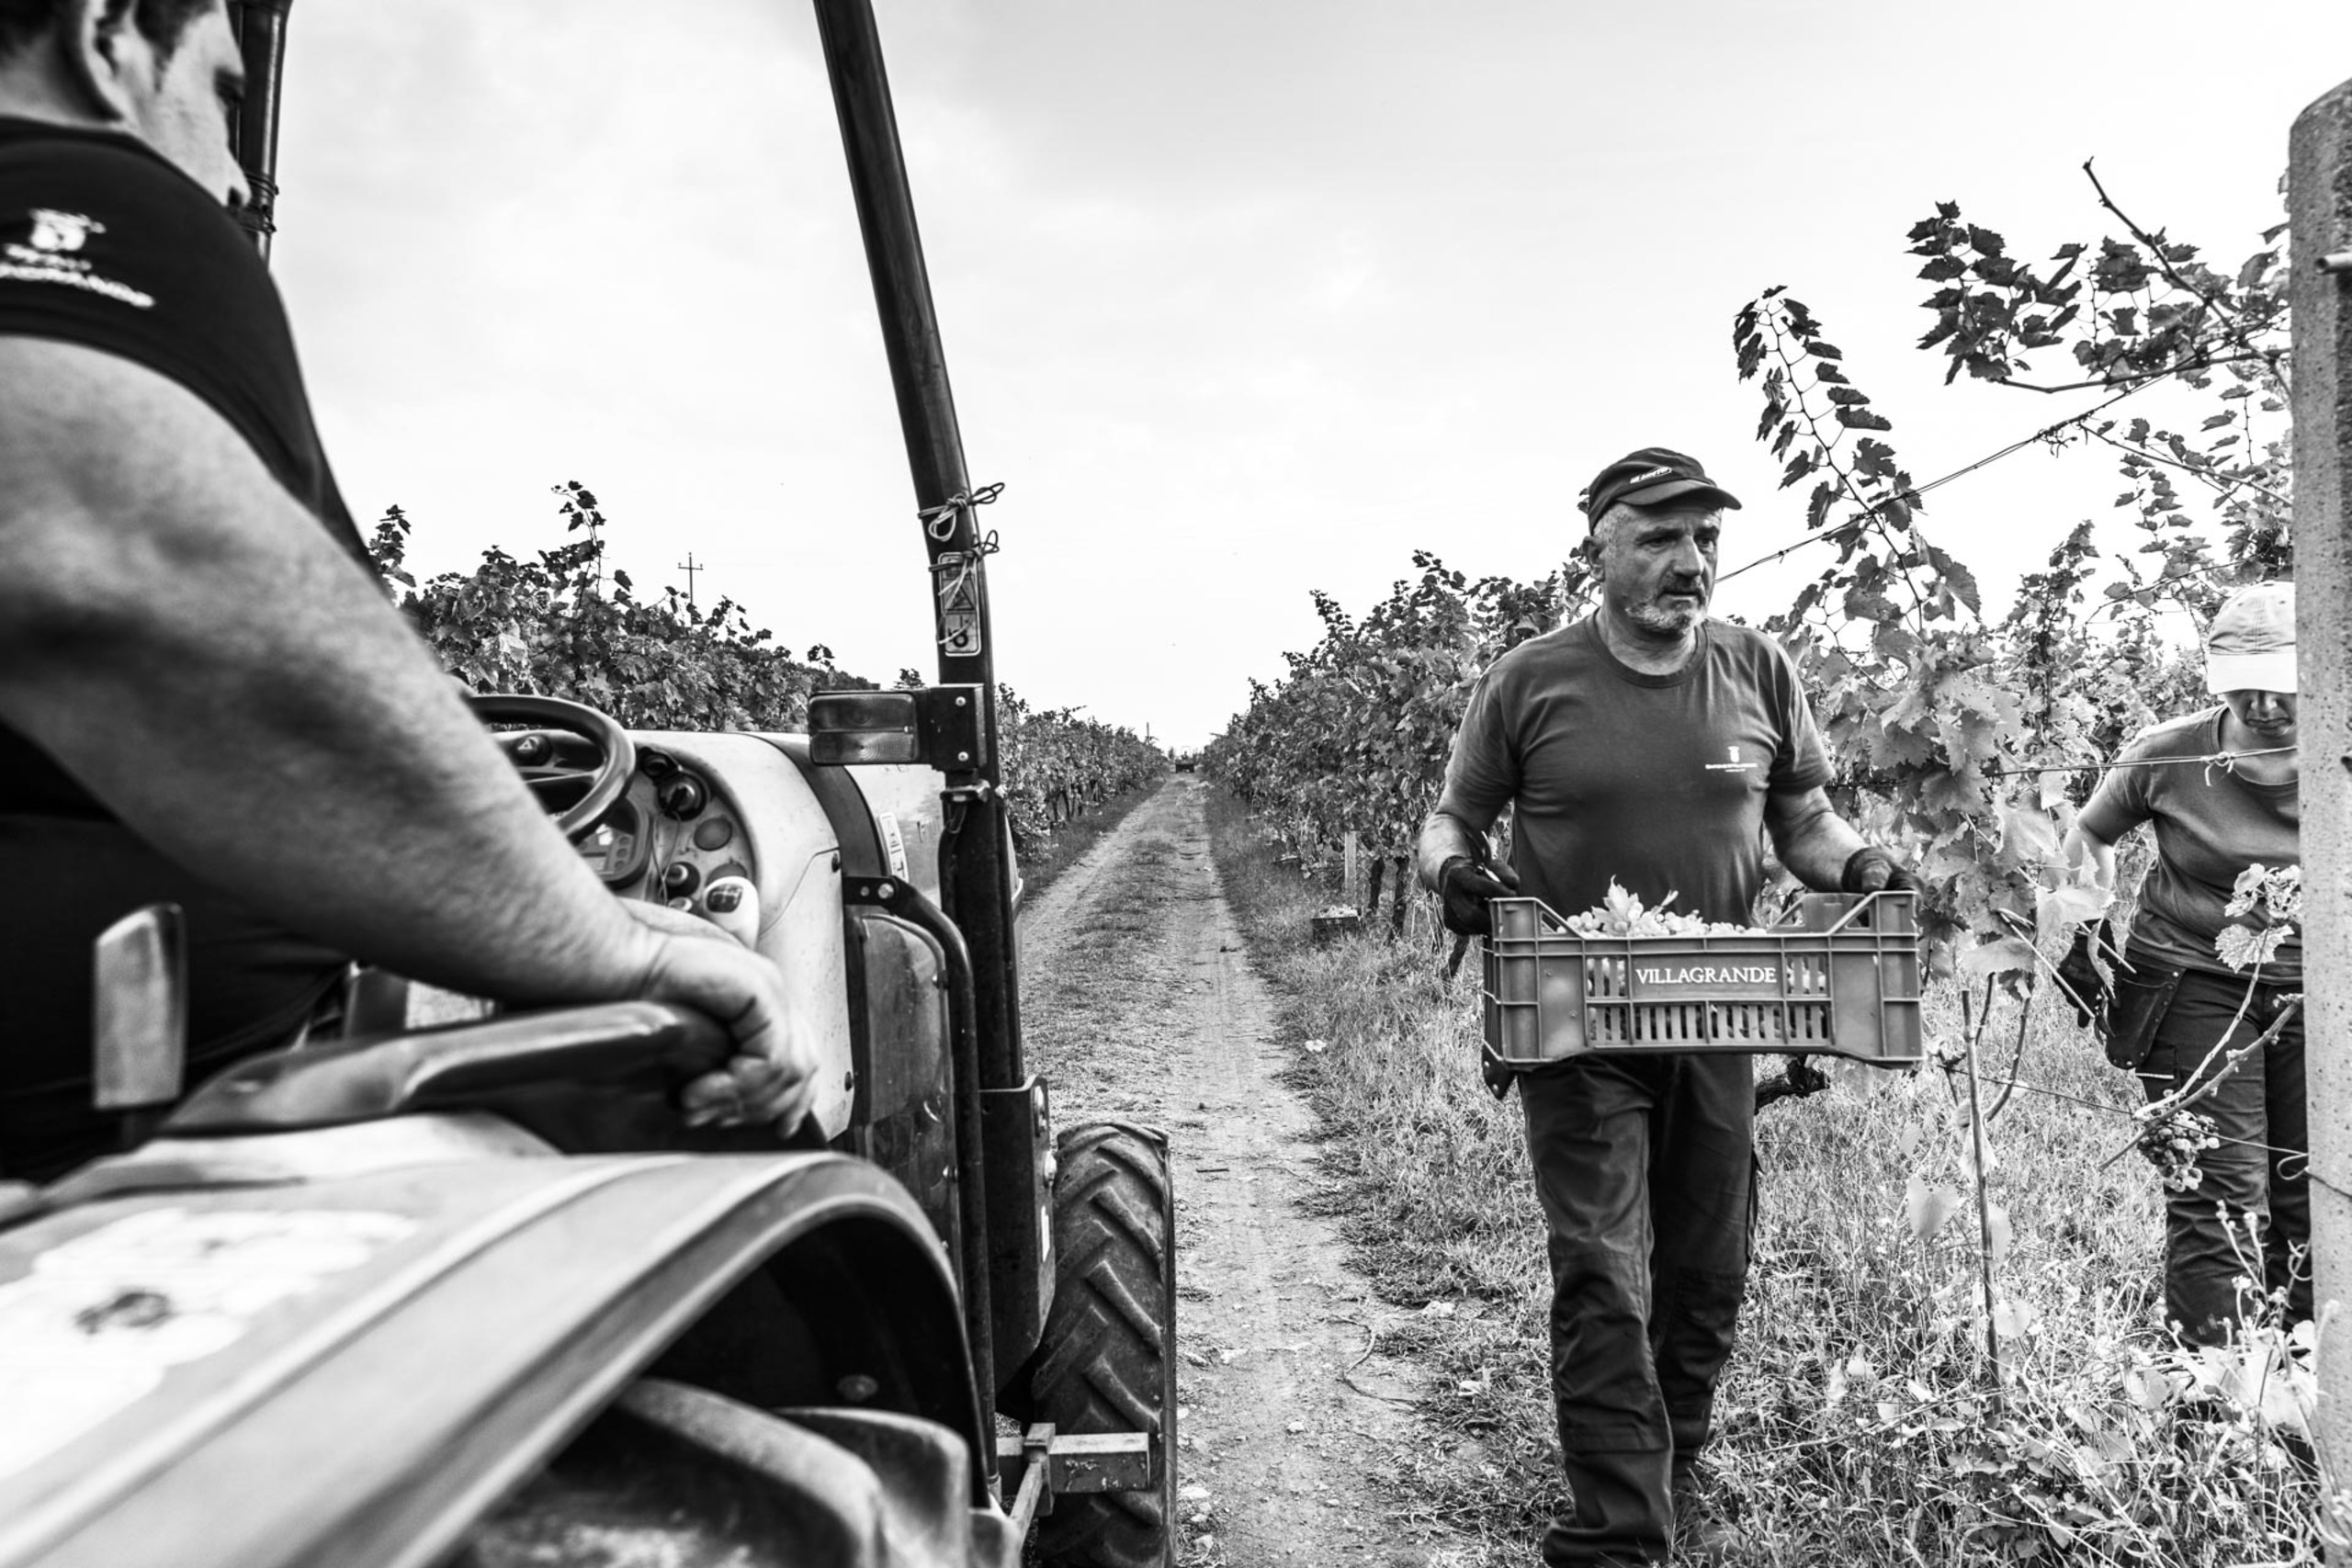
point(2250, 647)
point(1651, 477)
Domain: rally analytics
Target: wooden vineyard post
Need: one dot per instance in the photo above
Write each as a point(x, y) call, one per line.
point(2319, 204)
point(1352, 848)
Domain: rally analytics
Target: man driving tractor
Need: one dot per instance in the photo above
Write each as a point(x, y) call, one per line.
point(204, 696)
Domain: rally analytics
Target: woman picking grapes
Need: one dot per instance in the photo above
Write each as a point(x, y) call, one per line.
point(2220, 786)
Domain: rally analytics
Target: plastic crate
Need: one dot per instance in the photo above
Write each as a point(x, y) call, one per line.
point(1840, 978)
point(1338, 921)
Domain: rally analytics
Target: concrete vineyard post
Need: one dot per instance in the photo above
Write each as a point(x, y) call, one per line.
point(2319, 209)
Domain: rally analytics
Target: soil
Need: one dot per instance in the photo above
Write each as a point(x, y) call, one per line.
point(1140, 1004)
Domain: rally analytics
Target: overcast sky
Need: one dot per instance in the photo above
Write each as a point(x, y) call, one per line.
point(1240, 299)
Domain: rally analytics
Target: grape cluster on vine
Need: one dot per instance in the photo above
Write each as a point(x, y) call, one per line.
point(2172, 1143)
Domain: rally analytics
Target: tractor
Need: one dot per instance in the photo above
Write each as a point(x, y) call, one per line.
point(469, 1293)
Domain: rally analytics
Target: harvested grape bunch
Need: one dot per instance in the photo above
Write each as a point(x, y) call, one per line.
point(1621, 913)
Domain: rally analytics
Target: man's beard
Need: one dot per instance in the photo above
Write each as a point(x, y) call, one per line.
point(1667, 620)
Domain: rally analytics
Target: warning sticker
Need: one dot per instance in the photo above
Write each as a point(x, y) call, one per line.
point(101, 1318)
point(894, 844)
point(959, 605)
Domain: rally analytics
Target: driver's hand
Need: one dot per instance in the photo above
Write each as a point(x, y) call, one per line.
point(771, 1075)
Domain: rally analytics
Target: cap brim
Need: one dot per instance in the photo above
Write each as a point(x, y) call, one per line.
point(1676, 490)
point(2271, 671)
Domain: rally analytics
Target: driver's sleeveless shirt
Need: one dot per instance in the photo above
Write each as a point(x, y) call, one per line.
point(106, 245)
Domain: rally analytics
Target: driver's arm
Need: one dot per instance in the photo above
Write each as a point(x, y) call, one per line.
point(186, 640)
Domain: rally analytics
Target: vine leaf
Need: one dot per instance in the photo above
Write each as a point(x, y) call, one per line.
point(1928, 1207)
point(2063, 908)
point(2003, 955)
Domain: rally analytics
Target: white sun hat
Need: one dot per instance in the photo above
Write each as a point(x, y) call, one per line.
point(2250, 647)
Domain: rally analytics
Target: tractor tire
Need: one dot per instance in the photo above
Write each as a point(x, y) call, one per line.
point(1107, 1361)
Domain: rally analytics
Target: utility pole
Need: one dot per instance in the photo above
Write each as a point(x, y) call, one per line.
point(2319, 204)
point(689, 568)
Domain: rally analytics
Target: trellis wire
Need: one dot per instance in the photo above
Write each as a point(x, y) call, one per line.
point(2047, 432)
point(2226, 760)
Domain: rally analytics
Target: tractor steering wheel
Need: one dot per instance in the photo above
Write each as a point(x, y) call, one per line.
point(589, 751)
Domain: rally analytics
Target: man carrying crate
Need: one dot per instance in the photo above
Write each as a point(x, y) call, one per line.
point(1649, 745)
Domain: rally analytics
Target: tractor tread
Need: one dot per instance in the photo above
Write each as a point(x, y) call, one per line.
point(1106, 1362)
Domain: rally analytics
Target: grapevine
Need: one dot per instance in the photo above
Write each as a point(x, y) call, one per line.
point(1354, 738)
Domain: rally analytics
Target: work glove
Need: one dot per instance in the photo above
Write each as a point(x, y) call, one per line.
point(1797, 1076)
point(1871, 870)
point(1498, 1074)
point(1464, 886)
point(2088, 990)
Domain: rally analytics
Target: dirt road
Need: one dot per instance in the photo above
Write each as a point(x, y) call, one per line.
point(1140, 1003)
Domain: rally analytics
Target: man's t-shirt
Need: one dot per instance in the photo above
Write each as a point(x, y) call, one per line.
point(1657, 781)
point(106, 245)
point(2211, 825)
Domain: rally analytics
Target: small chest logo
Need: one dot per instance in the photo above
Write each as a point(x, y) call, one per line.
point(1734, 766)
point(48, 255)
point(56, 231)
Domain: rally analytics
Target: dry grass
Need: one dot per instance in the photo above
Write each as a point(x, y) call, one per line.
point(1860, 1421)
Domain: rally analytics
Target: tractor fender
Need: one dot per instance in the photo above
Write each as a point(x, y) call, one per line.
point(361, 1366)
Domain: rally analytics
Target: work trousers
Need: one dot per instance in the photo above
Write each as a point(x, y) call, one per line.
point(1645, 1166)
point(2251, 1215)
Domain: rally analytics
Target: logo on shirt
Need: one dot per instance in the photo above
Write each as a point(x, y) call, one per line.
point(62, 231)
point(47, 255)
point(1734, 766)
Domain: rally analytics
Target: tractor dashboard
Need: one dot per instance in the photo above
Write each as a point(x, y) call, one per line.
point(747, 832)
point(671, 830)
point(672, 834)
